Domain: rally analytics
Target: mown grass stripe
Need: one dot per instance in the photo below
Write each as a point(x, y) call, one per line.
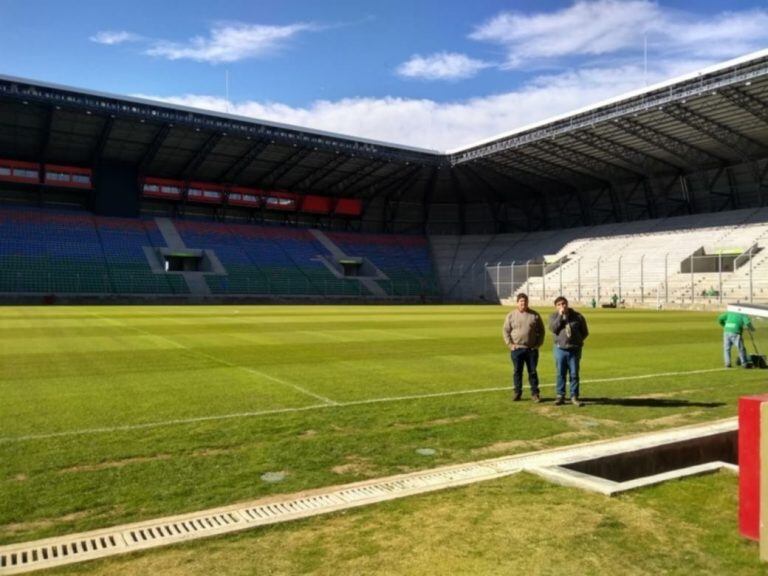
point(405, 398)
point(219, 360)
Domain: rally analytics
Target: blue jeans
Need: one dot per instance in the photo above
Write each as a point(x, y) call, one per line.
point(733, 340)
point(567, 361)
point(528, 357)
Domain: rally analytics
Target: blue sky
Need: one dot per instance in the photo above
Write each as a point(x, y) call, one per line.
point(434, 74)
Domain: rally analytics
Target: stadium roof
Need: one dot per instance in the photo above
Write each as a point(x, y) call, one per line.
point(714, 119)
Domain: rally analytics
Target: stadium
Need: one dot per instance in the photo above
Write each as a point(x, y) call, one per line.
point(208, 315)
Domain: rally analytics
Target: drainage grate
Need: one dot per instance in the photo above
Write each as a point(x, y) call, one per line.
point(169, 532)
point(29, 556)
point(25, 558)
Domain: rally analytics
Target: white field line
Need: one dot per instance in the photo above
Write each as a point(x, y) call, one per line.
point(220, 361)
point(657, 375)
point(234, 415)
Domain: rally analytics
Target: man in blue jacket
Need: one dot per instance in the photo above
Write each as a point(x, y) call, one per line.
point(570, 330)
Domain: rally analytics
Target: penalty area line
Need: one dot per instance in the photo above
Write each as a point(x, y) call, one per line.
point(179, 346)
point(324, 406)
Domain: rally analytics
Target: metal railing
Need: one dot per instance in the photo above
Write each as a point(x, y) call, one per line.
point(630, 279)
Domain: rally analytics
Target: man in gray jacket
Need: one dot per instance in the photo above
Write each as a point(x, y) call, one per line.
point(523, 333)
point(570, 330)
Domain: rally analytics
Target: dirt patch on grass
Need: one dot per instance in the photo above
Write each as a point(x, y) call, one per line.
point(114, 463)
point(41, 524)
point(356, 466)
point(518, 446)
point(512, 446)
point(661, 395)
point(572, 435)
point(308, 434)
point(585, 422)
point(579, 422)
point(205, 452)
point(438, 422)
point(671, 420)
point(201, 453)
point(20, 478)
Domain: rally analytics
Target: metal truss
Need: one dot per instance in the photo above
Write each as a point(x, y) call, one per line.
point(637, 105)
point(21, 91)
point(402, 174)
point(101, 143)
point(745, 101)
point(244, 162)
point(689, 154)
point(490, 194)
point(593, 167)
point(564, 174)
point(594, 204)
point(426, 198)
point(392, 201)
point(640, 162)
point(42, 152)
point(306, 182)
point(532, 180)
point(350, 180)
point(210, 143)
point(727, 136)
point(154, 148)
point(460, 201)
point(284, 166)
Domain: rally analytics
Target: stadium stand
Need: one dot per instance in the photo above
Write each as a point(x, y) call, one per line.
point(587, 203)
point(642, 262)
point(405, 260)
point(51, 251)
point(266, 260)
point(122, 241)
point(76, 252)
point(704, 258)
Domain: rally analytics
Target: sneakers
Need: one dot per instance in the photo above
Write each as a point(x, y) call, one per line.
point(575, 401)
point(560, 400)
point(517, 397)
point(536, 398)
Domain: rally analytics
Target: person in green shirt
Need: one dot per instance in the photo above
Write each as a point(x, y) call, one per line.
point(733, 324)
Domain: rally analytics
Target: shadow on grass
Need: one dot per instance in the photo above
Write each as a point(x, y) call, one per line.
point(651, 402)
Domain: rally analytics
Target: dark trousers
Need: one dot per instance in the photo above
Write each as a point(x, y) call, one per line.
point(528, 357)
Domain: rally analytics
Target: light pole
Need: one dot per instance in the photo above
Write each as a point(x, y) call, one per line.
point(597, 290)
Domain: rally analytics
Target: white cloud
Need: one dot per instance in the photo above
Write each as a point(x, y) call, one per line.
point(724, 36)
point(441, 66)
point(600, 42)
point(111, 37)
point(230, 42)
point(429, 124)
point(611, 27)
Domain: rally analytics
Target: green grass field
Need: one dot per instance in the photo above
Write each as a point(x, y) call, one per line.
point(116, 414)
